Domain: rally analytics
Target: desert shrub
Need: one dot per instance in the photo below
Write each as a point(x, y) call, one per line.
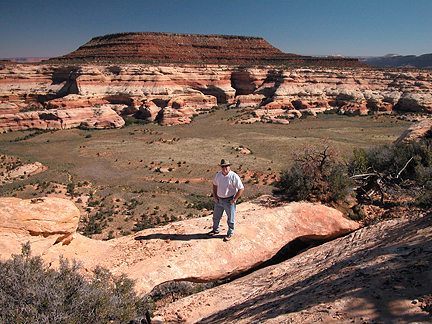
point(71, 189)
point(33, 293)
point(358, 163)
point(392, 159)
point(317, 173)
point(132, 120)
point(142, 225)
point(170, 291)
point(408, 161)
point(36, 133)
point(201, 202)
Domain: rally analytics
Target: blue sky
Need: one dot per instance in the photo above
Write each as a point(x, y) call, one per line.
point(310, 27)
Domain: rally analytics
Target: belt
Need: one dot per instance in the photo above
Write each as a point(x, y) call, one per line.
point(231, 197)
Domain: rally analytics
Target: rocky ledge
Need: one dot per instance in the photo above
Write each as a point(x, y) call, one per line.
point(178, 251)
point(62, 96)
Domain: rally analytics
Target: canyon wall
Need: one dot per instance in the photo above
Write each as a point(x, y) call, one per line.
point(95, 95)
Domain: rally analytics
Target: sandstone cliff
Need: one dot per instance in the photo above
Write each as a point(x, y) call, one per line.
point(53, 96)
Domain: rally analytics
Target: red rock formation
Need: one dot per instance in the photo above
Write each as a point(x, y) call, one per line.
point(103, 117)
point(173, 93)
point(167, 47)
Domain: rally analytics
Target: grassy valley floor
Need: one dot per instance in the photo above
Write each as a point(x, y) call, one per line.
point(143, 175)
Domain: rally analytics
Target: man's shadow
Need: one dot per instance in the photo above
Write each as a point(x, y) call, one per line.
point(177, 237)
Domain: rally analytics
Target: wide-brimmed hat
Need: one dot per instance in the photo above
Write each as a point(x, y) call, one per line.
point(225, 162)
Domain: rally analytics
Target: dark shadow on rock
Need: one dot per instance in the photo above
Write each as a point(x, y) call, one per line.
point(290, 250)
point(178, 237)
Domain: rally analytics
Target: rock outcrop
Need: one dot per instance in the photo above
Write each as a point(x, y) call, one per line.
point(44, 222)
point(174, 93)
point(377, 274)
point(20, 172)
point(89, 117)
point(178, 251)
point(415, 131)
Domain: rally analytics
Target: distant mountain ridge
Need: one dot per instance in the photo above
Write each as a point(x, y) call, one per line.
point(26, 59)
point(393, 60)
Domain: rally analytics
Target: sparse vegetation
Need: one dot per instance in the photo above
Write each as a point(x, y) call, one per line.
point(405, 169)
point(35, 133)
point(117, 166)
point(401, 175)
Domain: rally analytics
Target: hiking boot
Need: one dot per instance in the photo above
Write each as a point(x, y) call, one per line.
point(227, 238)
point(212, 233)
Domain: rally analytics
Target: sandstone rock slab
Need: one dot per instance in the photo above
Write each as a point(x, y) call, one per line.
point(183, 250)
point(177, 251)
point(374, 275)
point(41, 221)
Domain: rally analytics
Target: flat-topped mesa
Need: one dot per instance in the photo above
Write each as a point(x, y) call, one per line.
point(189, 48)
point(166, 47)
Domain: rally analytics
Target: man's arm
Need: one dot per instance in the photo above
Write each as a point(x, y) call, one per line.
point(215, 197)
point(237, 196)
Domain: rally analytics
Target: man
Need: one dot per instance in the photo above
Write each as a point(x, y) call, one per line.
point(227, 188)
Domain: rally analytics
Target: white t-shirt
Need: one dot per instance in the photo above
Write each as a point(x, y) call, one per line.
point(228, 185)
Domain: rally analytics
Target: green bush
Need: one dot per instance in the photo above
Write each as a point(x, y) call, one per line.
point(390, 159)
point(33, 293)
point(317, 174)
point(201, 202)
point(358, 164)
point(131, 120)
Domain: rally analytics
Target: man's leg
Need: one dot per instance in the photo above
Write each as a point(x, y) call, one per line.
point(230, 210)
point(217, 215)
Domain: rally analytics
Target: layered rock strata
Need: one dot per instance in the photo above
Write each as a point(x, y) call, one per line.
point(178, 251)
point(190, 48)
point(87, 117)
point(173, 93)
